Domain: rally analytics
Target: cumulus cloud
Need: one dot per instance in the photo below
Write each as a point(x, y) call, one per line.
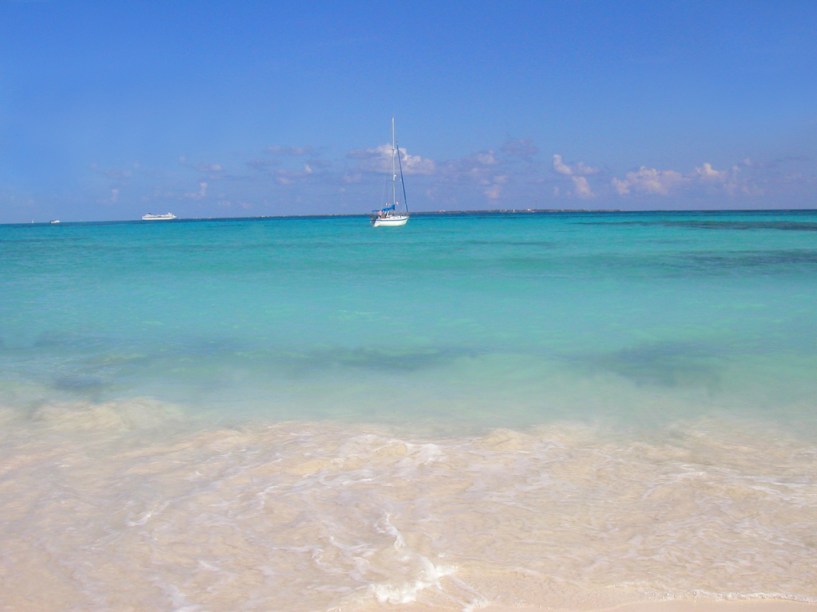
point(577, 173)
point(732, 181)
point(648, 181)
point(652, 181)
point(483, 174)
point(577, 169)
point(707, 172)
point(379, 160)
point(414, 164)
point(581, 187)
point(560, 166)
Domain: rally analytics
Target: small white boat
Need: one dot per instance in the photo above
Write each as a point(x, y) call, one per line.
point(393, 214)
point(165, 217)
point(54, 221)
point(389, 220)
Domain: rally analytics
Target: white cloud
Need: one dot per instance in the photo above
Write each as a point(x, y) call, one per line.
point(648, 181)
point(461, 181)
point(579, 168)
point(379, 160)
point(414, 164)
point(707, 172)
point(560, 166)
point(727, 179)
point(581, 187)
point(578, 174)
point(651, 181)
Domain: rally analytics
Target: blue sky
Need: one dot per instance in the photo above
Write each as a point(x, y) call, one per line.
point(109, 110)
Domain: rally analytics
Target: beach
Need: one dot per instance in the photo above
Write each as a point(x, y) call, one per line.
point(112, 512)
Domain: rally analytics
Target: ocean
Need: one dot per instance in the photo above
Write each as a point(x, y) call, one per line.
point(477, 411)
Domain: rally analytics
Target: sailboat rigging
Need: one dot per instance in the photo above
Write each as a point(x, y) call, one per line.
point(393, 214)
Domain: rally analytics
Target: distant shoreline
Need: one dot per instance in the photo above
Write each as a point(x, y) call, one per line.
point(460, 213)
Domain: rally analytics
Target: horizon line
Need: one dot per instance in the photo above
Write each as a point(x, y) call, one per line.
point(441, 213)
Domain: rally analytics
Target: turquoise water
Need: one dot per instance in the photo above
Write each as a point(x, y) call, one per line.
point(238, 412)
point(303, 318)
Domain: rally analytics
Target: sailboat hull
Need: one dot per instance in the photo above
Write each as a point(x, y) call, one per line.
point(390, 221)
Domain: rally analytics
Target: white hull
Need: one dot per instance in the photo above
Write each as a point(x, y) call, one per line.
point(165, 217)
point(390, 221)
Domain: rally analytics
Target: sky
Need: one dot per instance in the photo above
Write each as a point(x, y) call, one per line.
point(110, 110)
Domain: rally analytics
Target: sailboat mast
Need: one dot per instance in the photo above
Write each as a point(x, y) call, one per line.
point(393, 169)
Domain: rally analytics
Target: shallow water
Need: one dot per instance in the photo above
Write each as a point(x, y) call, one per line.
point(571, 410)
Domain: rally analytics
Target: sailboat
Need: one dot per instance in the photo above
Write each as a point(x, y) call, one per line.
point(393, 214)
